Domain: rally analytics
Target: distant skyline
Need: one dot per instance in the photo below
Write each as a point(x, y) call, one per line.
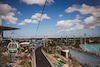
point(60, 17)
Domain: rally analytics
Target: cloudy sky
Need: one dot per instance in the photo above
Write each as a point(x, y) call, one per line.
point(60, 17)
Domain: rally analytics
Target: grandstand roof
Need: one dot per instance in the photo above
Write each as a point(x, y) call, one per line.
point(7, 28)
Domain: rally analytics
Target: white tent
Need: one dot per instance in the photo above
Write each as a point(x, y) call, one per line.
point(25, 43)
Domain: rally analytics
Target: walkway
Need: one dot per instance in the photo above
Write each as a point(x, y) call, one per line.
point(41, 61)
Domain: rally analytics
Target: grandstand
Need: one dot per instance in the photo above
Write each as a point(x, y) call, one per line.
point(91, 48)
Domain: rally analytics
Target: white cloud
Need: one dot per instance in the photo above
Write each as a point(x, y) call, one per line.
point(39, 2)
point(19, 13)
point(5, 8)
point(38, 15)
point(10, 19)
point(77, 27)
point(11, 14)
point(11, 22)
point(63, 24)
point(35, 18)
point(40, 10)
point(84, 9)
point(21, 23)
point(48, 34)
point(35, 21)
point(30, 21)
point(8, 13)
point(78, 16)
point(27, 21)
point(60, 15)
point(45, 16)
point(89, 22)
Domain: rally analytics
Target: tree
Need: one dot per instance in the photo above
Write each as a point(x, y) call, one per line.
point(25, 62)
point(75, 63)
point(58, 48)
point(53, 51)
point(5, 59)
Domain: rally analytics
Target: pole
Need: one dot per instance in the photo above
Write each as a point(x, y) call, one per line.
point(61, 40)
point(85, 38)
point(81, 42)
point(99, 40)
point(74, 39)
point(0, 20)
point(44, 41)
point(66, 40)
point(89, 39)
point(1, 31)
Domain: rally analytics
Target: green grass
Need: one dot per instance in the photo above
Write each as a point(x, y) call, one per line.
point(56, 56)
point(62, 62)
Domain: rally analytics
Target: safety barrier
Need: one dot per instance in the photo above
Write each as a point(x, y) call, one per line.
point(49, 58)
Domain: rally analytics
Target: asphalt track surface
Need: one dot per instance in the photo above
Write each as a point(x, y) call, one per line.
point(41, 60)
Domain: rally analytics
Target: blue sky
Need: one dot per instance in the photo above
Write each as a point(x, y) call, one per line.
point(60, 17)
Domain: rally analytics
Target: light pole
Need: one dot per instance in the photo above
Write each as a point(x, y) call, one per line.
point(61, 40)
point(66, 40)
point(99, 40)
point(74, 39)
point(81, 40)
point(1, 31)
point(44, 41)
point(85, 38)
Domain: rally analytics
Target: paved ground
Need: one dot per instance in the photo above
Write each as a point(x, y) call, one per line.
point(41, 61)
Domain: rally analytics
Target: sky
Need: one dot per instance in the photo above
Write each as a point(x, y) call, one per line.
point(60, 18)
